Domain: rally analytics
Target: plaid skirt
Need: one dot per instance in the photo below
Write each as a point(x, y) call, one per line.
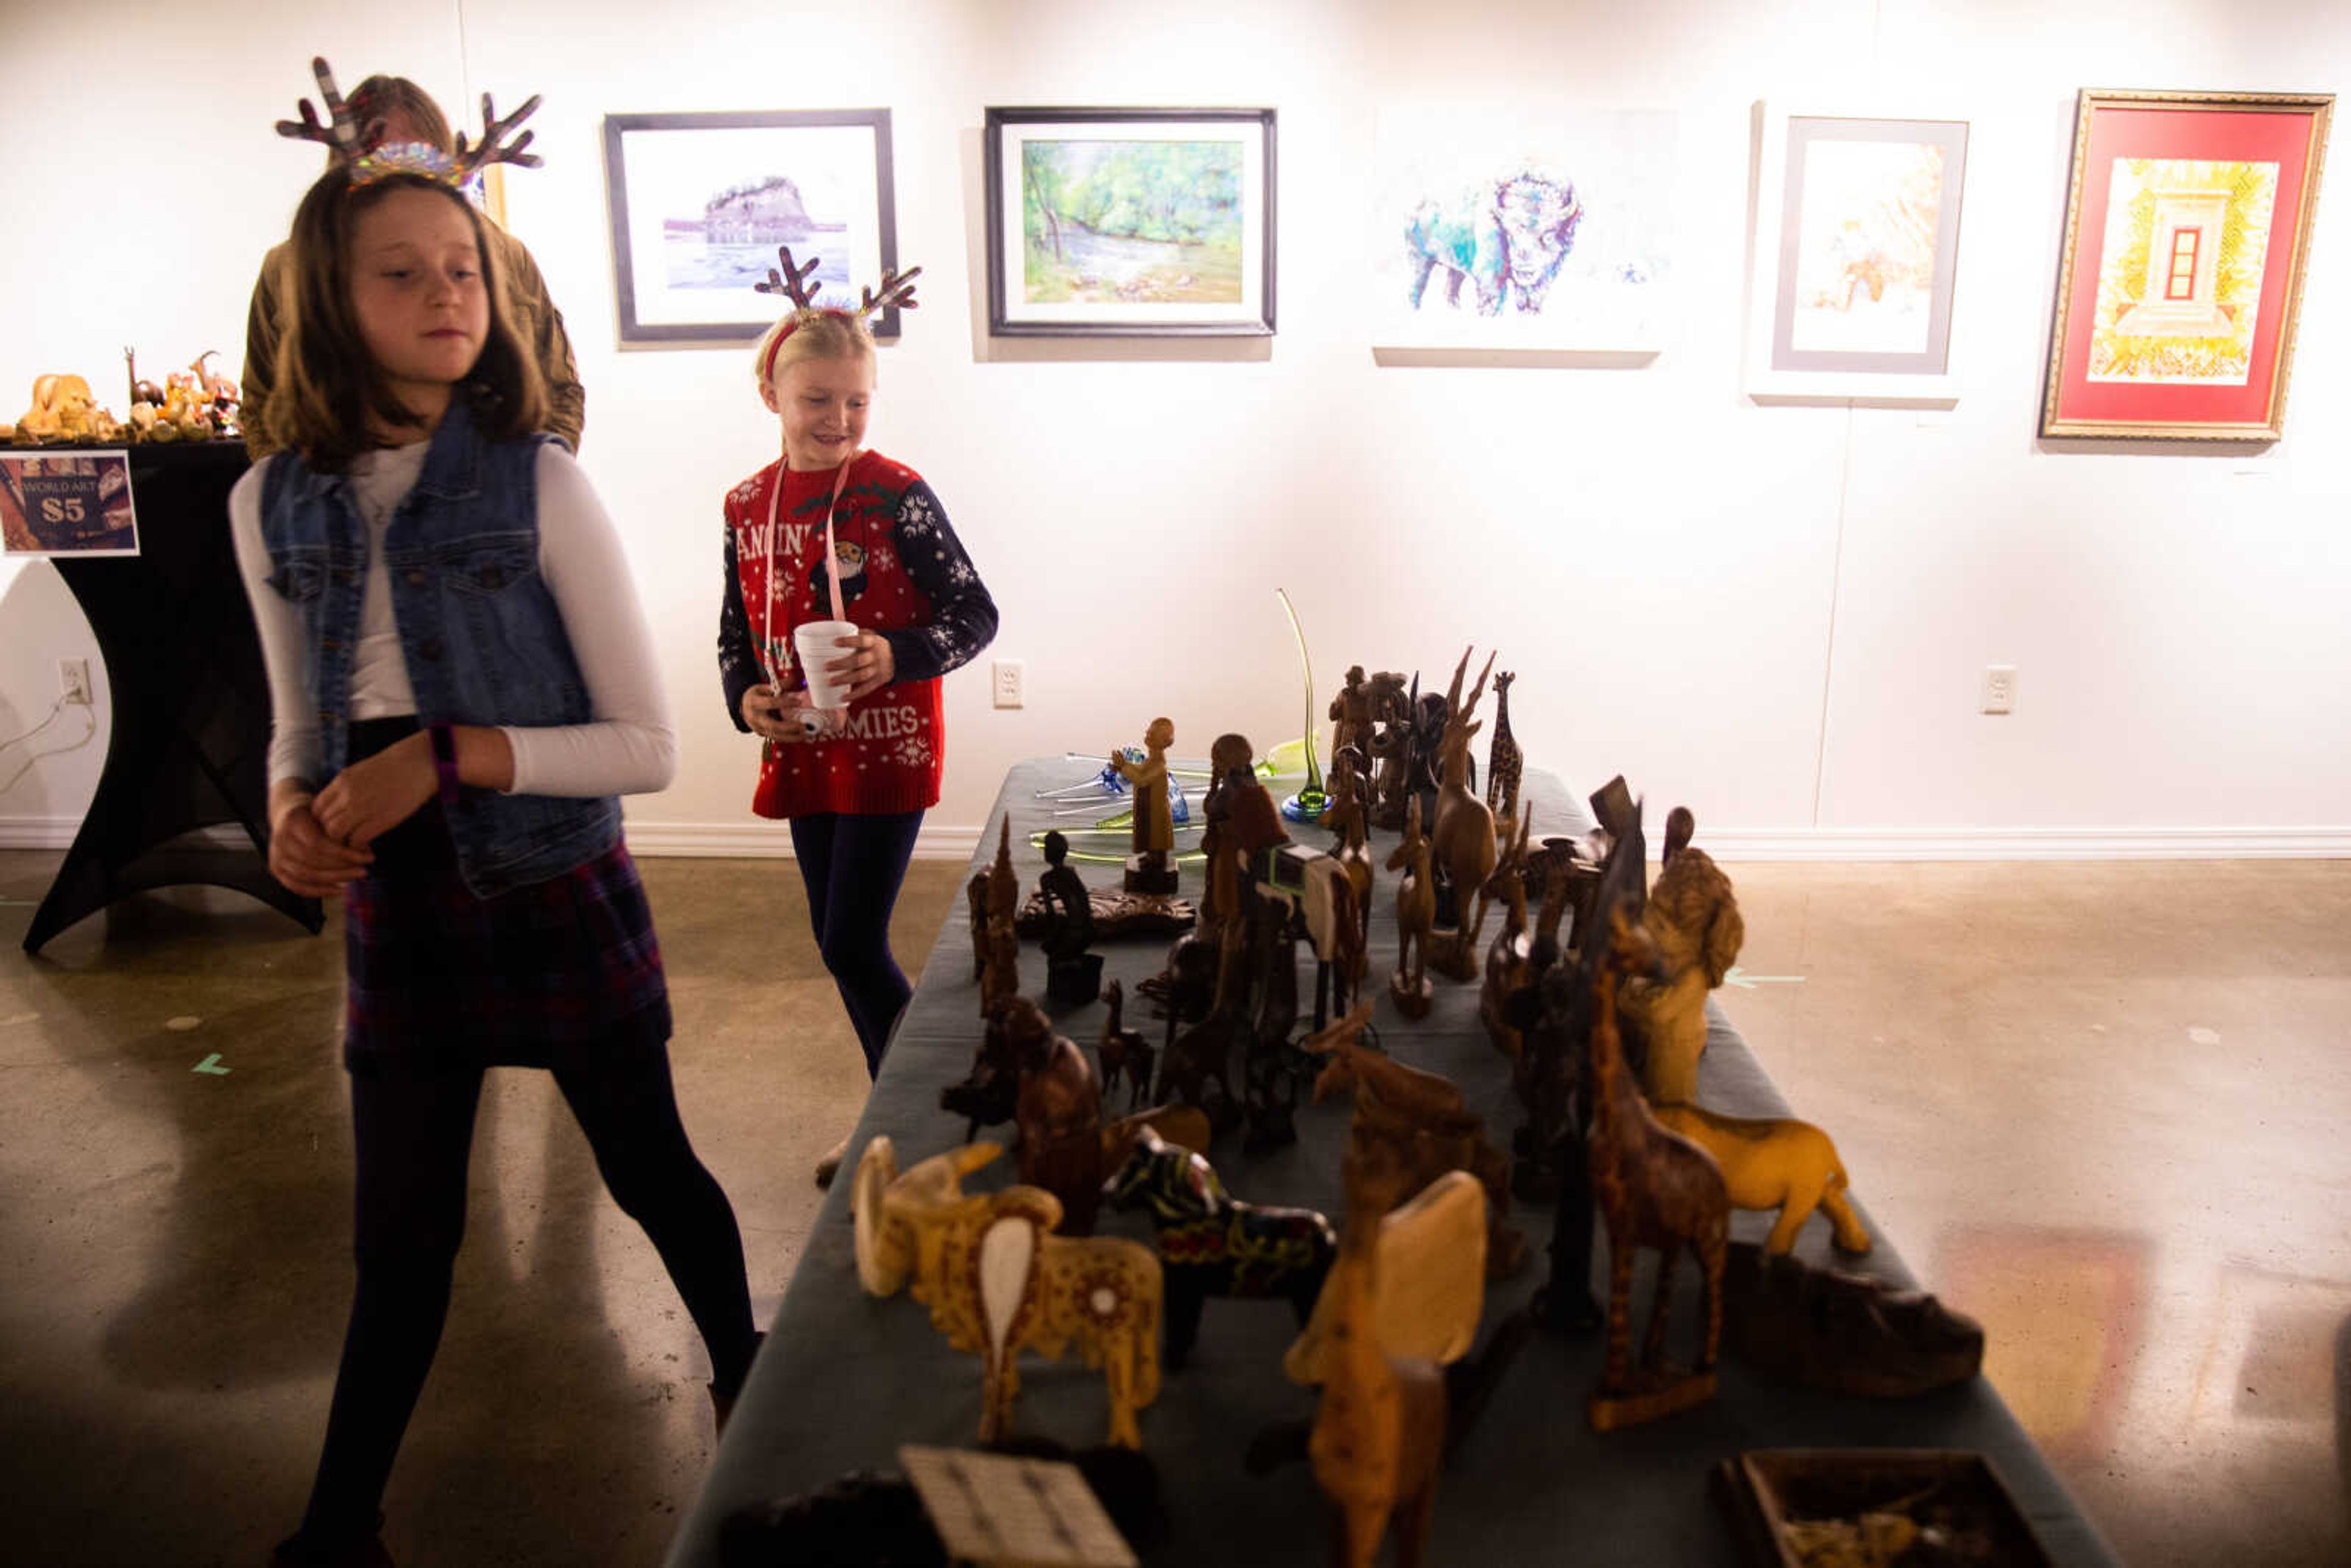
point(552, 975)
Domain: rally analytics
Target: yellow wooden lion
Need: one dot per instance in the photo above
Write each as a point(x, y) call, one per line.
point(1775, 1162)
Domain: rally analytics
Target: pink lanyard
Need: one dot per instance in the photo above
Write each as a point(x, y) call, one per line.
point(831, 565)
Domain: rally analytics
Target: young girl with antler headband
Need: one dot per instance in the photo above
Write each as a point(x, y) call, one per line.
point(447, 757)
point(830, 532)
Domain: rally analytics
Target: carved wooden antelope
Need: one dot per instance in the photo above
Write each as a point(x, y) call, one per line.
point(1654, 1189)
point(1510, 961)
point(997, 1280)
point(1463, 839)
point(1125, 1054)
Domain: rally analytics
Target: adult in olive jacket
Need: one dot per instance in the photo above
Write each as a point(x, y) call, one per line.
point(408, 114)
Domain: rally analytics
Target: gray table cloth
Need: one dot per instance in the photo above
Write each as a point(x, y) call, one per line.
point(846, 1378)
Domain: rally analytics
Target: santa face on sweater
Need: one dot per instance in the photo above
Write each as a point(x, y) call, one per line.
point(823, 404)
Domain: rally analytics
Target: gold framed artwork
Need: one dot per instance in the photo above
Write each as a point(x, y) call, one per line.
point(2188, 223)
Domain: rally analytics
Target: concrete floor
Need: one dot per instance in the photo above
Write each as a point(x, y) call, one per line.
point(2101, 1107)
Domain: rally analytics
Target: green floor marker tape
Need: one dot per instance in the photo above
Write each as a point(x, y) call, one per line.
point(212, 1064)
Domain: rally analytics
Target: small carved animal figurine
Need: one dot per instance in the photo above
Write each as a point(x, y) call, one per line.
point(1379, 1434)
point(1654, 1189)
point(997, 1280)
point(1415, 915)
point(1060, 1115)
point(1463, 841)
point(1505, 763)
point(1432, 1280)
point(1693, 920)
point(1775, 1162)
point(1125, 1055)
point(63, 408)
point(1843, 1332)
point(1212, 1244)
point(1426, 1118)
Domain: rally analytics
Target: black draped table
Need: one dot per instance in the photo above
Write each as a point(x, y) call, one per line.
point(845, 1379)
point(189, 746)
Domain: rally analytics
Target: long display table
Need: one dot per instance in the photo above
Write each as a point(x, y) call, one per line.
point(845, 1379)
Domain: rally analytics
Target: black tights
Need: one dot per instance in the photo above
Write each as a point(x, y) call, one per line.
point(853, 865)
point(416, 1137)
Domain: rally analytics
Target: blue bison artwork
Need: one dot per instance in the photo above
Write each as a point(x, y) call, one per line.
point(1508, 239)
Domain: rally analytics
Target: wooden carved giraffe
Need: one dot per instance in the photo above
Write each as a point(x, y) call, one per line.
point(1379, 1433)
point(1654, 1189)
point(1463, 839)
point(1505, 763)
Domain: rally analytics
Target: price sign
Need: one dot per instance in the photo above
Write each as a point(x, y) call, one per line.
point(66, 503)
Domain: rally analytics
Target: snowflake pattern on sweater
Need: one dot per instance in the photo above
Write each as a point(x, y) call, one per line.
point(903, 574)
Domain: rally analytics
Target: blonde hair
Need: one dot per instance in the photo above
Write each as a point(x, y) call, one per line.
point(812, 335)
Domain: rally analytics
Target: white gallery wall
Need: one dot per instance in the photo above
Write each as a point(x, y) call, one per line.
point(1778, 615)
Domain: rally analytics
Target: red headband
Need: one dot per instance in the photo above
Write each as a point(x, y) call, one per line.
point(790, 326)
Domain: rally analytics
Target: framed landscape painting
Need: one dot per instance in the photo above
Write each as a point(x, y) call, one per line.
point(1857, 253)
point(700, 203)
point(2187, 235)
point(1130, 222)
point(1513, 229)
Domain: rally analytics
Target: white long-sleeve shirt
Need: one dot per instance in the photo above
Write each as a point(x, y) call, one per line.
point(629, 747)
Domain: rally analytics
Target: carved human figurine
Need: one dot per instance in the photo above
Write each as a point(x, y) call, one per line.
point(1416, 908)
point(1656, 1189)
point(1059, 1114)
point(1463, 839)
point(1147, 869)
point(1505, 763)
point(1390, 745)
point(1379, 1433)
point(1351, 713)
point(1072, 975)
point(1228, 758)
point(1693, 919)
point(1349, 815)
point(997, 1280)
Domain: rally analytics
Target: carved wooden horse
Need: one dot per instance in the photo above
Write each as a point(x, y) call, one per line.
point(1415, 915)
point(1463, 839)
point(1425, 1117)
point(1379, 1434)
point(1654, 1189)
point(997, 1280)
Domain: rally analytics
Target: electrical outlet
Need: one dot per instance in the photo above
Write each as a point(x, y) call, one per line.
point(1007, 676)
point(2000, 688)
point(73, 680)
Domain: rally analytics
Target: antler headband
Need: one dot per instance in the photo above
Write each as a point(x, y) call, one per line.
point(353, 142)
point(897, 289)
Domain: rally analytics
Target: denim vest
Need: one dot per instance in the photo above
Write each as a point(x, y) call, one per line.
point(483, 639)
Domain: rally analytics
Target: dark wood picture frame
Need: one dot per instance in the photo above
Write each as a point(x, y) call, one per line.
point(1151, 299)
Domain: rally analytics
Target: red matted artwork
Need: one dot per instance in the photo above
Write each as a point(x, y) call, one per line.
point(2187, 235)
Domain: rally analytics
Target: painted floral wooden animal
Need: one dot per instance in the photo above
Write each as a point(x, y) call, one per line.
point(1379, 1435)
point(1424, 1117)
point(998, 1280)
point(1126, 1056)
point(1505, 763)
point(1693, 919)
point(1463, 839)
point(1415, 907)
point(1775, 1162)
point(1212, 1244)
point(1656, 1189)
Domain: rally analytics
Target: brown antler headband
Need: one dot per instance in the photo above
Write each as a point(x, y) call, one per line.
point(898, 290)
point(354, 142)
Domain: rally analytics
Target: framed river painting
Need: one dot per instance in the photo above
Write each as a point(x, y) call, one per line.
point(1856, 251)
point(702, 201)
point(1130, 222)
point(2187, 235)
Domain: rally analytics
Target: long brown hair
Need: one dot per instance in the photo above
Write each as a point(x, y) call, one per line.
point(329, 384)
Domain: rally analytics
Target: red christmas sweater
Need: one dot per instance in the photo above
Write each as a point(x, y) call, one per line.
point(903, 573)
